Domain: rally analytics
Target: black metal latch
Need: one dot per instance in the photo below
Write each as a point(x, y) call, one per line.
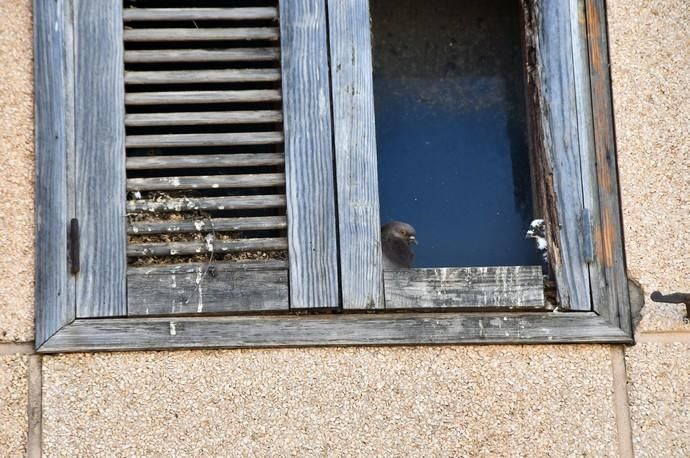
point(673, 298)
point(73, 245)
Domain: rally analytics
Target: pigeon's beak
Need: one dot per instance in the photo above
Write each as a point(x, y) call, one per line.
point(413, 240)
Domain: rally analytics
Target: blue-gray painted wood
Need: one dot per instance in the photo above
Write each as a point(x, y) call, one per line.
point(505, 287)
point(308, 155)
point(355, 154)
point(323, 330)
point(558, 110)
point(54, 286)
point(231, 287)
point(100, 158)
point(190, 14)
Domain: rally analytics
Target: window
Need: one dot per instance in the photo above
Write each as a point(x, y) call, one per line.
point(185, 126)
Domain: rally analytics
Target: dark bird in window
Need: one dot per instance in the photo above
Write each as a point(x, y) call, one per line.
point(397, 239)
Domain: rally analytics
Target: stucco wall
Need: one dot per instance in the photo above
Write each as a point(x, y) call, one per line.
point(589, 400)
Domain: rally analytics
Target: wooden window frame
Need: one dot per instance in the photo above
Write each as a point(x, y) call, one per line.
point(567, 60)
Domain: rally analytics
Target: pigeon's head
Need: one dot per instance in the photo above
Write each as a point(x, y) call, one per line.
point(537, 229)
point(397, 230)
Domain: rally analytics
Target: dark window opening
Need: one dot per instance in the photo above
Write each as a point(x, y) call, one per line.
point(451, 129)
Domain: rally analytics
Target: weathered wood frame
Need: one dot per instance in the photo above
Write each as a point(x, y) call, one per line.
point(58, 329)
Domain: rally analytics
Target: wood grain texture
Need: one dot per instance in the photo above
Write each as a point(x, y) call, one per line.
point(54, 288)
point(193, 267)
point(355, 155)
point(201, 247)
point(249, 223)
point(202, 76)
point(202, 55)
point(188, 14)
point(208, 34)
point(227, 290)
point(204, 161)
point(517, 287)
point(259, 180)
point(206, 203)
point(204, 118)
point(308, 155)
point(100, 158)
point(182, 140)
point(551, 75)
point(188, 97)
point(321, 330)
point(609, 288)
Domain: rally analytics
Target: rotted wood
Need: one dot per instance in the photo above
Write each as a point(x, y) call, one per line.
point(208, 34)
point(189, 14)
point(519, 287)
point(203, 118)
point(189, 97)
point(202, 55)
point(250, 223)
point(205, 161)
point(203, 76)
point(182, 140)
point(206, 203)
point(355, 155)
point(325, 330)
point(260, 180)
point(200, 247)
point(610, 290)
point(220, 288)
point(556, 140)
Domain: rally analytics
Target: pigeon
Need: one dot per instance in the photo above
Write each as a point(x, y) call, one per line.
point(397, 239)
point(537, 231)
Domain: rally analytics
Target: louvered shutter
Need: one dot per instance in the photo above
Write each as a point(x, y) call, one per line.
point(216, 153)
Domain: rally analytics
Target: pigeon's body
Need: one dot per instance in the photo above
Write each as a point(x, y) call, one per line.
point(397, 239)
point(537, 231)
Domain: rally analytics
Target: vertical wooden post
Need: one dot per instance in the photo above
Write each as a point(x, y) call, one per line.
point(309, 175)
point(355, 154)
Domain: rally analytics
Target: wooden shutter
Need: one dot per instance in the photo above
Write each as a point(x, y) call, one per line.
point(98, 167)
point(206, 201)
point(363, 278)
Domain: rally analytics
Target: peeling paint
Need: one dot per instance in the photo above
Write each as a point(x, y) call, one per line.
point(200, 301)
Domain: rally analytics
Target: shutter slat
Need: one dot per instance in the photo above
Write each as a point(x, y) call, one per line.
point(203, 76)
point(257, 223)
point(186, 14)
point(210, 34)
point(204, 161)
point(206, 182)
point(200, 247)
point(206, 203)
point(203, 55)
point(208, 117)
point(222, 266)
point(180, 140)
point(184, 97)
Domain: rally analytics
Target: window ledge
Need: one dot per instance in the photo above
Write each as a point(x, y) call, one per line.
point(117, 334)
